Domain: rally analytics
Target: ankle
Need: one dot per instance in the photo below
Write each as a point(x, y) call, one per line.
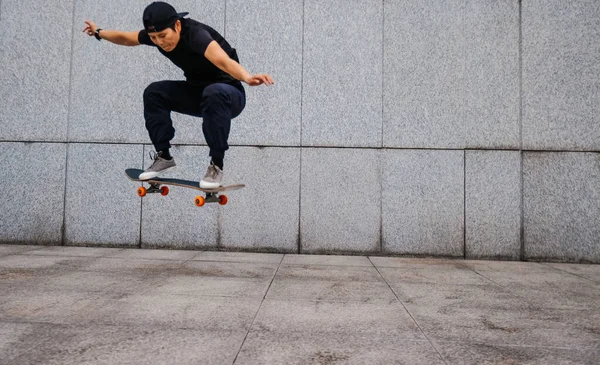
point(165, 154)
point(217, 162)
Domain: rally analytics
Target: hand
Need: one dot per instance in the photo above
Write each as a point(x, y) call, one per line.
point(90, 28)
point(260, 79)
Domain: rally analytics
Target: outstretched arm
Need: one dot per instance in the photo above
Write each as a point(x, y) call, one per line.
point(215, 54)
point(113, 36)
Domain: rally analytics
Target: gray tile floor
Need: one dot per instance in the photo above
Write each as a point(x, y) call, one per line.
point(72, 305)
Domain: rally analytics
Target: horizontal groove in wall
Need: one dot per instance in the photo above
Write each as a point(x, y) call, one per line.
point(317, 147)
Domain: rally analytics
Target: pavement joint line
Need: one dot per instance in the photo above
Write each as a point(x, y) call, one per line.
point(571, 273)
point(411, 316)
point(258, 310)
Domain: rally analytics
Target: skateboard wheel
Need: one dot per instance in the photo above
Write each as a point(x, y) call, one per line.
point(141, 191)
point(222, 200)
point(199, 201)
point(164, 190)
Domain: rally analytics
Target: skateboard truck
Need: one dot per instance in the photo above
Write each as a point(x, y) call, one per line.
point(153, 189)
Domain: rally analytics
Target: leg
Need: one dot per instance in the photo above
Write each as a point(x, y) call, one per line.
point(220, 104)
point(160, 98)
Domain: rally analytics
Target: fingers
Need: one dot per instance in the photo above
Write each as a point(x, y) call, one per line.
point(262, 79)
point(89, 28)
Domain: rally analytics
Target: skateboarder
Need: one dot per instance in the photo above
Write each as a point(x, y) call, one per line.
point(212, 90)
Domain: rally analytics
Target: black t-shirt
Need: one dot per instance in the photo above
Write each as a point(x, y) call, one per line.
point(189, 53)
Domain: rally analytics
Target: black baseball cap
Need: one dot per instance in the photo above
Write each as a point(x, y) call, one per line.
point(158, 16)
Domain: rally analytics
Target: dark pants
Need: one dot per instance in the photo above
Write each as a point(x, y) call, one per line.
point(216, 104)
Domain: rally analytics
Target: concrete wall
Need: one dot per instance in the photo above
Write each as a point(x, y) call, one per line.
point(466, 128)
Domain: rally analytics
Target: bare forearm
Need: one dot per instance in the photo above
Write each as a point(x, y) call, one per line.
point(116, 37)
point(236, 70)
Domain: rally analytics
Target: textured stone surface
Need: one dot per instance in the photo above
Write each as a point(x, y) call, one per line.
point(330, 283)
point(179, 312)
point(131, 345)
point(561, 74)
point(348, 183)
point(491, 100)
point(174, 220)
point(342, 71)
point(268, 38)
point(262, 258)
point(493, 314)
point(423, 202)
point(591, 272)
point(14, 249)
point(493, 204)
point(77, 308)
point(102, 206)
point(337, 318)
point(423, 88)
point(562, 206)
point(19, 338)
point(152, 254)
point(329, 260)
point(263, 215)
point(118, 75)
point(73, 251)
point(451, 74)
point(34, 77)
point(345, 348)
point(493, 353)
point(33, 177)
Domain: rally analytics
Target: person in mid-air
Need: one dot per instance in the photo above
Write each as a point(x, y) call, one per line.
point(212, 89)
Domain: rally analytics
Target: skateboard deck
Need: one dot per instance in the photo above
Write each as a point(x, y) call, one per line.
point(212, 195)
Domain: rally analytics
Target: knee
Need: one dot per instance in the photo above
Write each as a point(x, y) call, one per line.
point(215, 93)
point(153, 90)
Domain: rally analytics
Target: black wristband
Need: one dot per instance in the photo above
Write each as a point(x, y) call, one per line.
point(97, 33)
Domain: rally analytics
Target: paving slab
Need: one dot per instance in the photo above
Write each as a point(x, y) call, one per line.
point(334, 260)
point(100, 282)
point(258, 258)
point(179, 311)
point(14, 249)
point(78, 305)
point(591, 272)
point(134, 266)
point(153, 254)
point(311, 317)
point(42, 306)
point(440, 275)
point(334, 273)
point(133, 345)
point(211, 286)
point(318, 348)
point(330, 290)
point(43, 262)
point(493, 354)
point(19, 338)
point(228, 270)
point(414, 262)
point(73, 251)
point(547, 287)
point(493, 314)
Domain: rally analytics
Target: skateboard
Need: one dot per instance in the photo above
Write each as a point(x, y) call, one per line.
point(211, 196)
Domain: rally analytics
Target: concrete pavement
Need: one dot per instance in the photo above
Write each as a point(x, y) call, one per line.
point(75, 305)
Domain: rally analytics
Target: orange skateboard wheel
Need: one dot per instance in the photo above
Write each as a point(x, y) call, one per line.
point(164, 190)
point(141, 191)
point(222, 200)
point(199, 201)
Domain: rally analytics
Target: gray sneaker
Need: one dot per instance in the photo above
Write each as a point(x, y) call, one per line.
point(158, 167)
point(213, 177)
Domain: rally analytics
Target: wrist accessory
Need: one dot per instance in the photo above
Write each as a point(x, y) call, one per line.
point(97, 33)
